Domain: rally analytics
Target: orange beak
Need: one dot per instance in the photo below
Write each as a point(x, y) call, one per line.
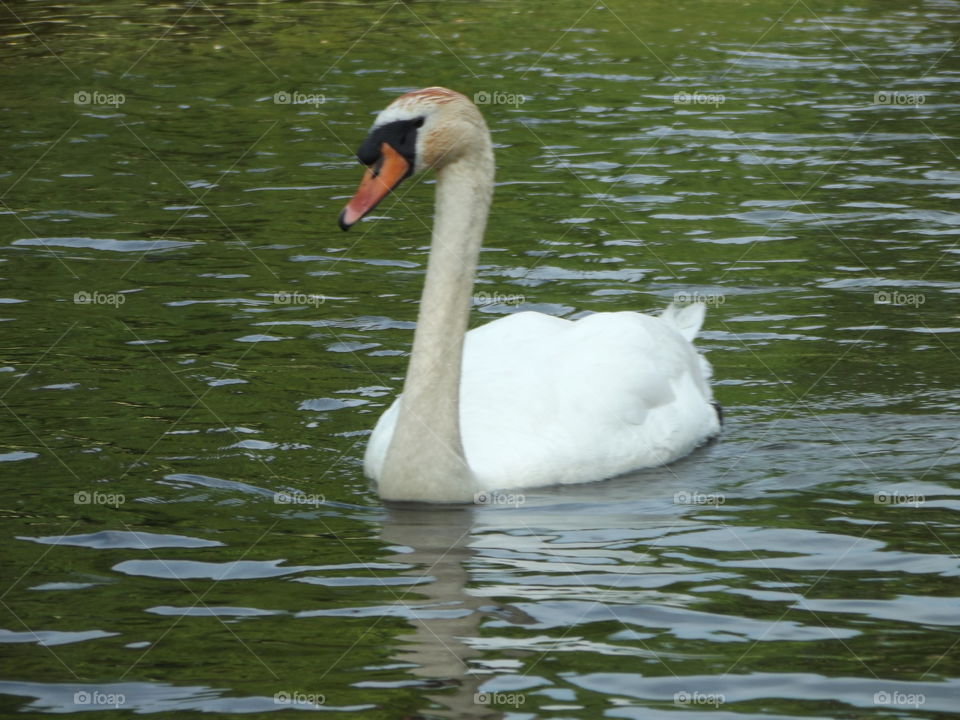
point(379, 179)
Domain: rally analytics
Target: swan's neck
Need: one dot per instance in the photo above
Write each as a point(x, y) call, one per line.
point(425, 459)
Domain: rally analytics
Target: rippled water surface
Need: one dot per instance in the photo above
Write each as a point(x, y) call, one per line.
point(189, 340)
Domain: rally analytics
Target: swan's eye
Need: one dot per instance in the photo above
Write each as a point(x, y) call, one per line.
point(409, 138)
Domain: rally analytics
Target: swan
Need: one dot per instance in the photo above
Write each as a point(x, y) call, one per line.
point(529, 399)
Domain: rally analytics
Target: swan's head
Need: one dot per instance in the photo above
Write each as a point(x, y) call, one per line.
point(422, 130)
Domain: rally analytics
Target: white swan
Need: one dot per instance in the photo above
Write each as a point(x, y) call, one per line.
point(528, 399)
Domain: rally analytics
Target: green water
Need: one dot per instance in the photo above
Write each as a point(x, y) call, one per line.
point(793, 165)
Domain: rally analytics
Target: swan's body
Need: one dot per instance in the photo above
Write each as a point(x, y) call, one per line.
point(546, 401)
point(529, 399)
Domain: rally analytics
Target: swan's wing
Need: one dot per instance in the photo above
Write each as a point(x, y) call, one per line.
point(686, 319)
point(546, 400)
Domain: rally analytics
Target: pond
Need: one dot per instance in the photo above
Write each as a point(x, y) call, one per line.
point(193, 355)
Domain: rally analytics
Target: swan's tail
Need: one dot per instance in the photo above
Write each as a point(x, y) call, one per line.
point(687, 319)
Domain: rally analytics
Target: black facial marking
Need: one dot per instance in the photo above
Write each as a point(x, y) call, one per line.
point(401, 135)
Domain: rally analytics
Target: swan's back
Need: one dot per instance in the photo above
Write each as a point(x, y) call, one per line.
point(546, 400)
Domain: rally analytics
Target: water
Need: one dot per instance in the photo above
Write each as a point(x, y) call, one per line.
point(794, 166)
